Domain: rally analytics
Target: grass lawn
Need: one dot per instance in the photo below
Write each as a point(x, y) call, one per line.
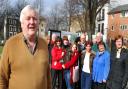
point(1, 48)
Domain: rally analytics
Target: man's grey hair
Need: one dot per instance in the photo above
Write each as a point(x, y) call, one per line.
point(26, 8)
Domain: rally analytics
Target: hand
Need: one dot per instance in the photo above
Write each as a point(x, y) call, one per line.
point(62, 54)
point(104, 81)
point(63, 66)
point(55, 63)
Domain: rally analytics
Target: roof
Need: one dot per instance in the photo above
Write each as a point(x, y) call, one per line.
point(118, 9)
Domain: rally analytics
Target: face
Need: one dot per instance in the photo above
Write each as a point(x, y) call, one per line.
point(101, 48)
point(54, 37)
point(88, 47)
point(118, 43)
point(66, 42)
point(74, 47)
point(94, 40)
point(98, 39)
point(58, 43)
point(29, 23)
point(83, 39)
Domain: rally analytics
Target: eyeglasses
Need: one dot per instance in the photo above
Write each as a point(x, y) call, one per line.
point(58, 41)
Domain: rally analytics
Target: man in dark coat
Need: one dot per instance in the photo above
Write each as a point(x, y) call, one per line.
point(118, 75)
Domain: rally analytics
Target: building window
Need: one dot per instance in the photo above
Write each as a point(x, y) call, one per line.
point(98, 27)
point(112, 28)
point(102, 30)
point(10, 34)
point(14, 22)
point(123, 27)
point(124, 14)
point(99, 16)
point(15, 33)
point(9, 21)
point(14, 27)
point(10, 28)
point(103, 14)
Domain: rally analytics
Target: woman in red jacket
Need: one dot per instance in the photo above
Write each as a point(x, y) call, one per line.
point(68, 66)
point(57, 61)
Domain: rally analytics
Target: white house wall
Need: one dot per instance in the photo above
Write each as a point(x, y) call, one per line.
point(105, 21)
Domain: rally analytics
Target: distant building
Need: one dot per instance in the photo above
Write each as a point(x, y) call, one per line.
point(118, 22)
point(11, 26)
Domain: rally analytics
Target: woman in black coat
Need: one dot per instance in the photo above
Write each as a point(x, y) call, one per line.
point(118, 75)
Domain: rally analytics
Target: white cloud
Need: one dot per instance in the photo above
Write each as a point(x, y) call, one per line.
point(49, 4)
point(123, 2)
point(115, 3)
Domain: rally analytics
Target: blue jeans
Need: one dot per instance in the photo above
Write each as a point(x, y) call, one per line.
point(67, 79)
point(85, 80)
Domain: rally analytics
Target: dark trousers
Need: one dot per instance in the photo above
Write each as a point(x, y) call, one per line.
point(57, 79)
point(85, 80)
point(114, 85)
point(96, 85)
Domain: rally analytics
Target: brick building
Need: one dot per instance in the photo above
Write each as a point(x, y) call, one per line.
point(118, 22)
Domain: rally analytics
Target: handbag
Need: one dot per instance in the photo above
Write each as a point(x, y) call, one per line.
point(75, 76)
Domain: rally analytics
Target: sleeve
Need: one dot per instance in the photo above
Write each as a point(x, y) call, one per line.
point(49, 85)
point(72, 61)
point(4, 68)
point(107, 66)
point(125, 78)
point(55, 57)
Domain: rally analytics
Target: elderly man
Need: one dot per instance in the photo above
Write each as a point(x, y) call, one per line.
point(81, 45)
point(99, 38)
point(24, 61)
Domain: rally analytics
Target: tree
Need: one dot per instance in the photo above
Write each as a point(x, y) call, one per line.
point(4, 4)
point(69, 7)
point(19, 5)
point(91, 9)
point(86, 12)
point(39, 5)
point(56, 18)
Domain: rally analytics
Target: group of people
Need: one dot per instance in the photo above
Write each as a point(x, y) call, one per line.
point(29, 62)
point(99, 68)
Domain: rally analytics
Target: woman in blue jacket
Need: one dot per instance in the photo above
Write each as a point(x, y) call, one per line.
point(101, 66)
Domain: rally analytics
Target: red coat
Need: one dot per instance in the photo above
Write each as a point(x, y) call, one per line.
point(56, 57)
point(71, 63)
